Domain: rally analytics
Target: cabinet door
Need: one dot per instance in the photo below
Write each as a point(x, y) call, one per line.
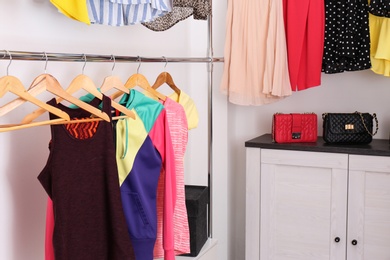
point(303, 205)
point(369, 208)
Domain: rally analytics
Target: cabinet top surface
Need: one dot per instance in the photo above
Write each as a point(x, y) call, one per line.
point(378, 147)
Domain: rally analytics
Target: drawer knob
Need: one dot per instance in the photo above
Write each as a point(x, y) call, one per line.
point(337, 239)
point(354, 242)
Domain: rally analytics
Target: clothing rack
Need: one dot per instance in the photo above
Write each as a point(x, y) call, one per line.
point(71, 57)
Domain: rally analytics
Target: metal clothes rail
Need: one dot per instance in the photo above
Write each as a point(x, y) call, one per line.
point(71, 57)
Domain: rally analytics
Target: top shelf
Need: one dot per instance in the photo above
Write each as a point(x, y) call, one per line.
point(378, 147)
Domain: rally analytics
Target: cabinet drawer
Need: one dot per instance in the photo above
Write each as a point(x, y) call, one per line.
point(309, 159)
point(369, 163)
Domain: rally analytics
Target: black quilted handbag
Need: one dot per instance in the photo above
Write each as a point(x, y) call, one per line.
point(348, 128)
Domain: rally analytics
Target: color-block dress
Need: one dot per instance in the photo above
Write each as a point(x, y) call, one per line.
point(145, 158)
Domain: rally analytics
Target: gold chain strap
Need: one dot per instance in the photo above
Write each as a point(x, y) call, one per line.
point(364, 123)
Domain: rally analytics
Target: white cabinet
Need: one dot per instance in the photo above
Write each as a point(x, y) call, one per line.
point(309, 205)
point(303, 200)
point(369, 208)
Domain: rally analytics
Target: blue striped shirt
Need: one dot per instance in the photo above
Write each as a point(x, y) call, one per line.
point(126, 12)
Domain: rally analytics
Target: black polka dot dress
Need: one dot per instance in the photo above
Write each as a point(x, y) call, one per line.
point(347, 37)
point(379, 8)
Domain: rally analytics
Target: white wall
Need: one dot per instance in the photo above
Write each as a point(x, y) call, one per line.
point(37, 26)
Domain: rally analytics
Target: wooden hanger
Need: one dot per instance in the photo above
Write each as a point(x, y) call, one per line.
point(111, 82)
point(140, 81)
point(17, 102)
point(82, 81)
point(12, 127)
point(15, 86)
point(57, 121)
point(88, 85)
point(165, 77)
point(49, 83)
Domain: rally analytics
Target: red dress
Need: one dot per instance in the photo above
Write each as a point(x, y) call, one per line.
point(305, 26)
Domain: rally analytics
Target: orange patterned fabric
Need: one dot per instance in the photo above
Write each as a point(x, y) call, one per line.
point(84, 130)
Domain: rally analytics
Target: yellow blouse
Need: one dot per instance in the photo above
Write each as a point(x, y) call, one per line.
point(74, 9)
point(380, 40)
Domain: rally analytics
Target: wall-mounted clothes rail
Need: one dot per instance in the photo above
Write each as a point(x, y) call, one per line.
point(50, 56)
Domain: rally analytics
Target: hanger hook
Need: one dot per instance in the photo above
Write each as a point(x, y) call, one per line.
point(10, 61)
point(139, 65)
point(47, 59)
point(85, 63)
point(166, 62)
point(113, 66)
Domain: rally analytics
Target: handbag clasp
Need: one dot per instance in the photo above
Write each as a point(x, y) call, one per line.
point(349, 127)
point(296, 135)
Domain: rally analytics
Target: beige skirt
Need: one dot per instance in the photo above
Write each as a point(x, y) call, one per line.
point(255, 67)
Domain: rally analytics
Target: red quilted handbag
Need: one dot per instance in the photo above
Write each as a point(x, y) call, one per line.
point(294, 128)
